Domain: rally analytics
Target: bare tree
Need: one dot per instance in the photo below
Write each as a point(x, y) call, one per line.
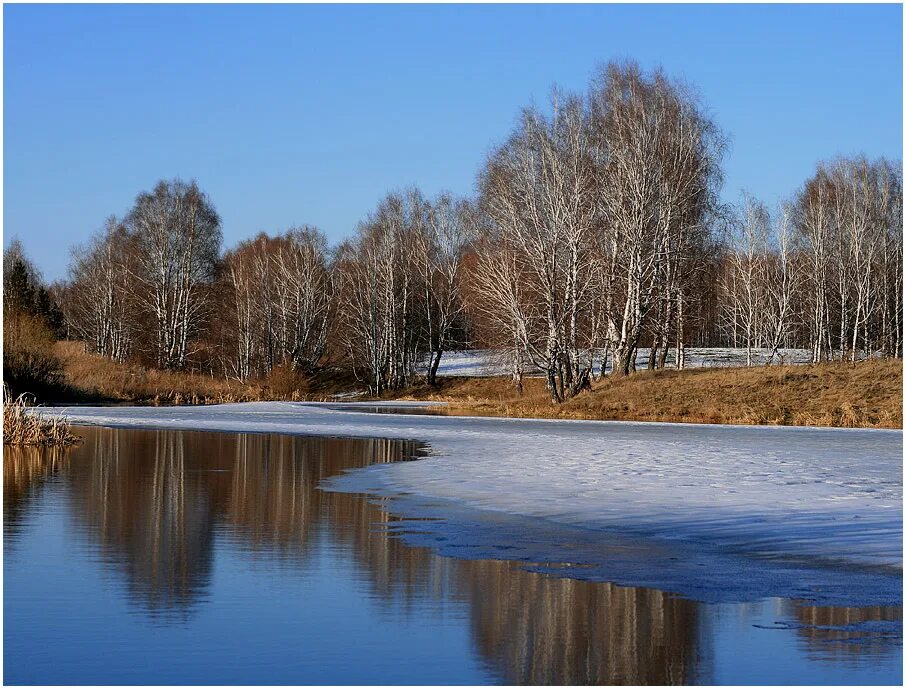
point(248, 267)
point(782, 282)
point(282, 300)
point(376, 287)
point(539, 196)
point(848, 222)
point(439, 243)
point(745, 285)
point(98, 303)
point(659, 175)
point(304, 291)
point(891, 261)
point(501, 299)
point(177, 236)
point(814, 229)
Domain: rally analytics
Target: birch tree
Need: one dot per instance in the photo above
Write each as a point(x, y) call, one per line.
point(782, 282)
point(891, 262)
point(282, 291)
point(745, 285)
point(813, 226)
point(376, 290)
point(848, 223)
point(248, 268)
point(442, 236)
point(98, 305)
point(658, 180)
point(304, 290)
point(176, 232)
point(538, 192)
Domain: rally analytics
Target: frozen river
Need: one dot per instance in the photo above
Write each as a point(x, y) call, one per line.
point(768, 501)
point(298, 548)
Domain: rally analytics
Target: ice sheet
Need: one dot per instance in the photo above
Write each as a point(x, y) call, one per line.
point(771, 492)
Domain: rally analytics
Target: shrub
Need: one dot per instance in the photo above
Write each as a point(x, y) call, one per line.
point(287, 383)
point(29, 363)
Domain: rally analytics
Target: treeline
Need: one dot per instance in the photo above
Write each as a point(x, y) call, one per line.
point(155, 287)
point(596, 231)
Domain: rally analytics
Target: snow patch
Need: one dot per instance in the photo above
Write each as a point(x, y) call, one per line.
point(476, 363)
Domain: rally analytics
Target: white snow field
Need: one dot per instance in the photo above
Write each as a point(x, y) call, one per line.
point(487, 362)
point(771, 492)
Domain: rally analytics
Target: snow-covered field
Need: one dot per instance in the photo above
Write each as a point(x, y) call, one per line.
point(771, 494)
point(486, 362)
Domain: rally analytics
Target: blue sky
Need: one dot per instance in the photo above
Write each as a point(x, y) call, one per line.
point(309, 114)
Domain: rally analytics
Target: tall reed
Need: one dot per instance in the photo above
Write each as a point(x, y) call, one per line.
point(22, 428)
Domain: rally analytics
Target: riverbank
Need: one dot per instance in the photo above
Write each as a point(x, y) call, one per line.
point(92, 378)
point(867, 394)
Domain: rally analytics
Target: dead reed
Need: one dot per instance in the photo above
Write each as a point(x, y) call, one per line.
point(23, 428)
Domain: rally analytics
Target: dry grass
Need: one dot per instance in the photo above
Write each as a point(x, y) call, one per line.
point(99, 378)
point(22, 428)
point(865, 395)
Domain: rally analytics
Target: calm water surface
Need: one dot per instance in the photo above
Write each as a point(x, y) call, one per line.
point(163, 557)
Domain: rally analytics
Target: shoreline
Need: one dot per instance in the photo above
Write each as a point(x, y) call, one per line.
point(865, 395)
point(724, 529)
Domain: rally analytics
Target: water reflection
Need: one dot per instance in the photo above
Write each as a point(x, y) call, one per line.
point(25, 472)
point(151, 517)
point(158, 506)
point(543, 630)
point(154, 499)
point(837, 633)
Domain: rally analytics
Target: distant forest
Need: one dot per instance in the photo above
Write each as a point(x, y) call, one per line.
point(596, 231)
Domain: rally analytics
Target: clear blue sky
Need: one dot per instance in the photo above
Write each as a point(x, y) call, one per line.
point(309, 114)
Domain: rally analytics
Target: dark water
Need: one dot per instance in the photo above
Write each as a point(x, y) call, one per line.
point(162, 557)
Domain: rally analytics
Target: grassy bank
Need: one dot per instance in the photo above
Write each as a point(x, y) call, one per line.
point(97, 378)
point(89, 377)
point(866, 395)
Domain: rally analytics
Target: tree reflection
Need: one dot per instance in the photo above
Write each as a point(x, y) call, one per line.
point(25, 472)
point(134, 494)
point(154, 499)
point(839, 633)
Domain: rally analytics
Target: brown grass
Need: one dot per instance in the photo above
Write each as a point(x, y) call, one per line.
point(22, 428)
point(98, 378)
point(865, 395)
